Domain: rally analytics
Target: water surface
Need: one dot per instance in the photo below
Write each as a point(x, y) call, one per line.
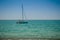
point(34, 29)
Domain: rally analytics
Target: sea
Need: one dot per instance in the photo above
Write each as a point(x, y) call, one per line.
point(33, 29)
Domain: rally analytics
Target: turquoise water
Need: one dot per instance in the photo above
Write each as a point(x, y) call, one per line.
point(34, 29)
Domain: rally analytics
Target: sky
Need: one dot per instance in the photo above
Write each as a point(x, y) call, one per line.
point(33, 9)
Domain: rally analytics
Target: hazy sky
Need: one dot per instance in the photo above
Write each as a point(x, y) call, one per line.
point(33, 9)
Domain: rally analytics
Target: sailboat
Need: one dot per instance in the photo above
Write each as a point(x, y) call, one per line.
point(22, 21)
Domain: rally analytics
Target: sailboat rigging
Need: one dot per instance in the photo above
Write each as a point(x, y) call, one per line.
point(22, 21)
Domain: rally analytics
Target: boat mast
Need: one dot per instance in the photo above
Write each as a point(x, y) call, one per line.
point(22, 11)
